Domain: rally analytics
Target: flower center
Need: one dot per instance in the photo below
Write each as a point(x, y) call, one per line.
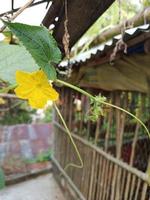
point(39, 85)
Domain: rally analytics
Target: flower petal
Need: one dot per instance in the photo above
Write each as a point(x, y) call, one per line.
point(39, 76)
point(23, 78)
point(37, 103)
point(24, 92)
point(50, 93)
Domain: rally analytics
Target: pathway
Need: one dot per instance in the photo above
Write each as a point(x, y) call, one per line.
point(40, 188)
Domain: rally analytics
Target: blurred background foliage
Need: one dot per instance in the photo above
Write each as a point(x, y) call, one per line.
point(15, 111)
point(2, 179)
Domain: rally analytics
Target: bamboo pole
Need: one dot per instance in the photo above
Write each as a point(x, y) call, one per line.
point(113, 191)
point(110, 174)
point(123, 182)
point(139, 19)
point(132, 188)
point(105, 182)
point(132, 153)
point(127, 189)
point(92, 175)
point(137, 189)
point(118, 122)
point(116, 190)
point(110, 116)
point(136, 132)
point(94, 190)
point(70, 110)
point(97, 131)
point(102, 178)
point(99, 177)
point(82, 115)
point(144, 190)
point(88, 171)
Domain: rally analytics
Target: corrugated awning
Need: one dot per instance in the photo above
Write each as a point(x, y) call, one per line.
point(102, 48)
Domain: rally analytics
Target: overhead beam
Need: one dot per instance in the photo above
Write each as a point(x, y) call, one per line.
point(81, 15)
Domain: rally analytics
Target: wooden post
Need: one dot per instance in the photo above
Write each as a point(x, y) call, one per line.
point(110, 118)
point(70, 110)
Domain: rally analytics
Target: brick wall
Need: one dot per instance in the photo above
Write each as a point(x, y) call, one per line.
point(23, 142)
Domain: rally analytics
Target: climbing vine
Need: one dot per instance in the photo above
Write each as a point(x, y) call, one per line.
point(36, 85)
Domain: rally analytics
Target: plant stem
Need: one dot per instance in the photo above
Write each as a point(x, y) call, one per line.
point(72, 141)
point(103, 102)
point(75, 88)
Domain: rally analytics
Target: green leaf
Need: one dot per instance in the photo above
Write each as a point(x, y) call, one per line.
point(12, 58)
point(40, 44)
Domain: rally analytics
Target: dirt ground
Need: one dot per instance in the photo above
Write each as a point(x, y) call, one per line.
point(41, 188)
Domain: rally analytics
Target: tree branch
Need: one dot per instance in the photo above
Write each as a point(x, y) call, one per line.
point(18, 13)
point(8, 96)
point(141, 18)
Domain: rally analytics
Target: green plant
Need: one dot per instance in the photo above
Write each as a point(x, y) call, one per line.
point(43, 49)
point(41, 157)
point(17, 114)
point(2, 179)
point(48, 115)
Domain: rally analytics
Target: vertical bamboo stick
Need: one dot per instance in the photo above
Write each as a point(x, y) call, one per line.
point(105, 182)
point(118, 124)
point(94, 190)
point(99, 178)
point(113, 191)
point(102, 178)
point(81, 116)
point(127, 189)
point(118, 183)
point(132, 188)
point(88, 122)
point(92, 175)
point(110, 116)
point(123, 182)
point(110, 174)
point(144, 190)
point(136, 133)
point(136, 197)
point(88, 170)
point(70, 110)
point(97, 131)
point(133, 151)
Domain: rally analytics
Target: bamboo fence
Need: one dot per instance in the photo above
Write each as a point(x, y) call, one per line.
point(106, 174)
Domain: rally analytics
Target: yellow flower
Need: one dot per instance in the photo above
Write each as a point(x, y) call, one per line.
point(35, 87)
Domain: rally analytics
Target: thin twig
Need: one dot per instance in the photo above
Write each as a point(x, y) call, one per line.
point(8, 109)
point(8, 96)
point(16, 9)
point(17, 13)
